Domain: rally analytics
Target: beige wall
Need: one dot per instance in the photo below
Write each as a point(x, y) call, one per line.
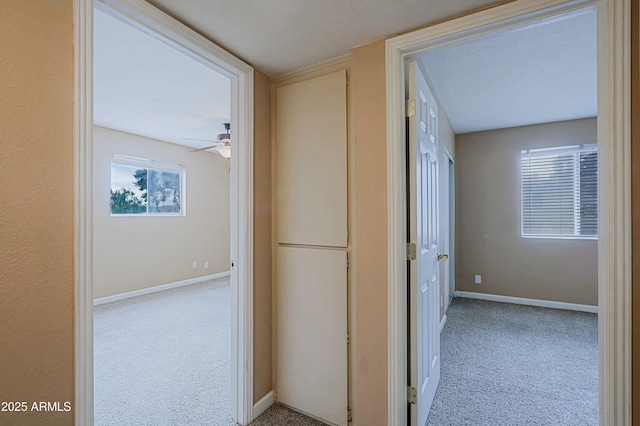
point(369, 398)
point(262, 321)
point(36, 223)
point(446, 139)
point(133, 253)
point(488, 240)
point(37, 285)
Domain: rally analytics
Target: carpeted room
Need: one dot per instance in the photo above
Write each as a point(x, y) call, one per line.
point(519, 237)
point(171, 347)
point(161, 220)
point(509, 363)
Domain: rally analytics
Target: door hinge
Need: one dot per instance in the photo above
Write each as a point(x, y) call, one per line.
point(349, 418)
point(410, 107)
point(348, 339)
point(411, 251)
point(412, 395)
point(348, 262)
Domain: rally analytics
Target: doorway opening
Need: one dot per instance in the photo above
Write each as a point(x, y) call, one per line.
point(239, 172)
point(614, 314)
point(525, 144)
point(161, 246)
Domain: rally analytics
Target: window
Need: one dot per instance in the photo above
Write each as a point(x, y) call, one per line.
point(560, 192)
point(145, 187)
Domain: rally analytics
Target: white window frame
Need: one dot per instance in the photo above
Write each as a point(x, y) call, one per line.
point(559, 150)
point(154, 165)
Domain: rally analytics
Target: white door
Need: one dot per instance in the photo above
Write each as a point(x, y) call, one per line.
point(424, 284)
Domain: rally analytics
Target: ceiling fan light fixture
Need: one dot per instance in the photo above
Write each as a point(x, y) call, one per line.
point(224, 151)
point(222, 146)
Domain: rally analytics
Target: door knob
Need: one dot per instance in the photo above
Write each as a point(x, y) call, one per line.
point(443, 257)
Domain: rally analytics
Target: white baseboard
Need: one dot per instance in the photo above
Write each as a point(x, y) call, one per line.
point(155, 289)
point(531, 302)
point(443, 321)
point(262, 405)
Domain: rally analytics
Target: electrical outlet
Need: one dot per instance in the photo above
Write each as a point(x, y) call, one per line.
point(206, 265)
point(478, 279)
point(195, 265)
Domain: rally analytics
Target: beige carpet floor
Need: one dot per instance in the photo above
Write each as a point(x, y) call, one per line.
point(164, 359)
point(279, 415)
point(504, 364)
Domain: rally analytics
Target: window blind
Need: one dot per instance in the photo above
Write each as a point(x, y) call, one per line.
point(560, 192)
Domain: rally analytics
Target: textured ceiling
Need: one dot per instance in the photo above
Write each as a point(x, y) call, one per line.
point(281, 36)
point(146, 87)
point(539, 73)
point(543, 72)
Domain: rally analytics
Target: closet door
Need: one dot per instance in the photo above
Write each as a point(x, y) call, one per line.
point(312, 161)
point(311, 194)
point(312, 338)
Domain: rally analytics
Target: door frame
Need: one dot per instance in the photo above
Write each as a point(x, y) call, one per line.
point(147, 17)
point(614, 245)
point(449, 289)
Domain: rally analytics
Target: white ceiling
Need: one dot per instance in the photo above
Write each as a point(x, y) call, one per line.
point(146, 87)
point(540, 73)
point(281, 36)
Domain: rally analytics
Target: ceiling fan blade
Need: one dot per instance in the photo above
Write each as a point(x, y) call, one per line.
point(206, 147)
point(199, 140)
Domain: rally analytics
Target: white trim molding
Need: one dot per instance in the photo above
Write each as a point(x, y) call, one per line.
point(241, 199)
point(614, 245)
point(159, 288)
point(264, 403)
point(83, 208)
point(443, 322)
point(614, 124)
point(529, 302)
point(148, 18)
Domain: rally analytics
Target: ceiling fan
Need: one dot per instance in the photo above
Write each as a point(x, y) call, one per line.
point(222, 147)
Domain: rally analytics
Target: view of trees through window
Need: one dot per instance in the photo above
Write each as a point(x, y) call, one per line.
point(140, 190)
